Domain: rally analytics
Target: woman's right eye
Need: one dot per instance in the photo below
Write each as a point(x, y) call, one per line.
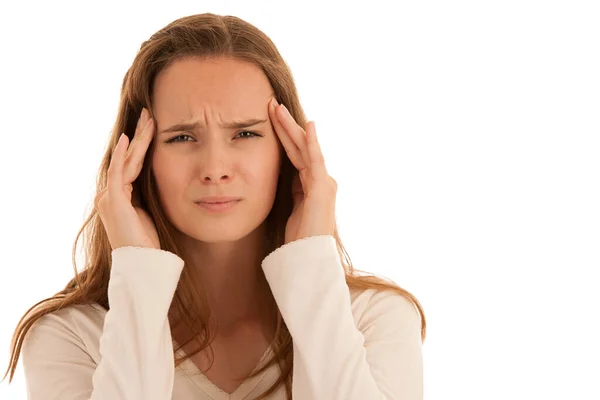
point(177, 137)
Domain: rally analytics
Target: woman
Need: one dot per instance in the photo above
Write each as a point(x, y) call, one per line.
point(214, 269)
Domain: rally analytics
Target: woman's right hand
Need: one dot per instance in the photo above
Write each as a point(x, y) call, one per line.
point(125, 224)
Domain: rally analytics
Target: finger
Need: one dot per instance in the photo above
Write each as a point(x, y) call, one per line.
point(139, 127)
point(142, 120)
point(297, 185)
point(135, 159)
point(288, 144)
point(294, 131)
point(115, 169)
point(317, 160)
point(290, 147)
point(98, 198)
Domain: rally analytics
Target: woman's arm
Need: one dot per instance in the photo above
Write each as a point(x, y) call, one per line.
point(335, 356)
point(136, 346)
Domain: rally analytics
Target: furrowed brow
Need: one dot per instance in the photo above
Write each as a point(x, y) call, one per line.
point(237, 124)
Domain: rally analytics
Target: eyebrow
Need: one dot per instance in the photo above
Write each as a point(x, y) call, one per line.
point(237, 124)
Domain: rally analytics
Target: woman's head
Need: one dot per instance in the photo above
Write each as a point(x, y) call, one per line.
point(207, 70)
point(206, 73)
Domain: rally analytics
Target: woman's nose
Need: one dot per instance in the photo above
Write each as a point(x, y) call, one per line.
point(215, 177)
point(216, 165)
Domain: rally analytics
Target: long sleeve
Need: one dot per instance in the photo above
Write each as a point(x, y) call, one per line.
point(136, 347)
point(333, 358)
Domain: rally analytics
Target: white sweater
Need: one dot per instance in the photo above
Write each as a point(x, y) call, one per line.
point(348, 345)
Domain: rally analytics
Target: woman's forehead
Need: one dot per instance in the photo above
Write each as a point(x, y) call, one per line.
point(234, 88)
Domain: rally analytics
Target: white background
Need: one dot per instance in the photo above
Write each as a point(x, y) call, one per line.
point(464, 137)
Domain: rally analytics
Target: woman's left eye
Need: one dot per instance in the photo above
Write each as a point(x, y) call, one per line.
point(251, 134)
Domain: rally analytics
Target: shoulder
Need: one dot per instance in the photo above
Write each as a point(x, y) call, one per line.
point(77, 325)
point(376, 309)
point(74, 317)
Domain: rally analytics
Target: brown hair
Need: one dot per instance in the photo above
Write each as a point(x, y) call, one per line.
point(204, 35)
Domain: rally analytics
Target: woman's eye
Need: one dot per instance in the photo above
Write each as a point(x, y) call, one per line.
point(251, 134)
point(177, 137)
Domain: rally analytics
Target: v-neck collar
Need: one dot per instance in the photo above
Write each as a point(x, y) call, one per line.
point(212, 390)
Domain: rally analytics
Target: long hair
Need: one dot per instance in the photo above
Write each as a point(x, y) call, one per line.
point(206, 36)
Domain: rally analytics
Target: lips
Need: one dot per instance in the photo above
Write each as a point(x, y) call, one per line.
point(218, 204)
point(217, 199)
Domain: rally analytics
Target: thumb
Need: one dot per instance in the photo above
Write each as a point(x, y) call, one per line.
point(297, 191)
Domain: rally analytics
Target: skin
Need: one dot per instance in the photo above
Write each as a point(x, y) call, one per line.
point(214, 160)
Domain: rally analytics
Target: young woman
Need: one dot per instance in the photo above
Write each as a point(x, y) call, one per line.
point(213, 266)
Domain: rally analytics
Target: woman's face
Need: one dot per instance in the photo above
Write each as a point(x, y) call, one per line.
point(199, 153)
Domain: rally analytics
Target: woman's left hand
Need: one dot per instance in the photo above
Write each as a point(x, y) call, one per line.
point(313, 190)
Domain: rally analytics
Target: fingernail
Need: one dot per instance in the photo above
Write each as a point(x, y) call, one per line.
point(285, 110)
